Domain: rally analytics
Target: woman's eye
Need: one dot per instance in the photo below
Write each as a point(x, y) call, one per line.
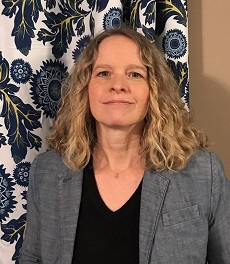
point(103, 73)
point(135, 75)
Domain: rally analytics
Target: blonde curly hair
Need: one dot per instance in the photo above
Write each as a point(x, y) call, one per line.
point(169, 137)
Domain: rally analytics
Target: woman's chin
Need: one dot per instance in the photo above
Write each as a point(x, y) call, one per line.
point(120, 125)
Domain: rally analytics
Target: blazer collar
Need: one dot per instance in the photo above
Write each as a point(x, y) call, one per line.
point(154, 190)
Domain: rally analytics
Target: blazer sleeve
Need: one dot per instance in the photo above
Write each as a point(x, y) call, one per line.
point(219, 228)
point(30, 251)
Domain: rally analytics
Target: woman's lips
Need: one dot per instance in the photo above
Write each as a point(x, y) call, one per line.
point(114, 102)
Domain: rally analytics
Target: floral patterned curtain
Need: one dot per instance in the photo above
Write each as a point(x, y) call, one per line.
point(39, 42)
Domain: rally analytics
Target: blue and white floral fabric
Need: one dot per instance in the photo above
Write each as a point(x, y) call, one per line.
point(39, 42)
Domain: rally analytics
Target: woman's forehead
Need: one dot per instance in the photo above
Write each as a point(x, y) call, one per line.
point(118, 47)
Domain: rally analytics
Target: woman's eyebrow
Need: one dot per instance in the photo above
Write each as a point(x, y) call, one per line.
point(102, 66)
point(136, 66)
point(129, 67)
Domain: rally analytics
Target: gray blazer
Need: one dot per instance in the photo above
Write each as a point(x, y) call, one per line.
point(184, 216)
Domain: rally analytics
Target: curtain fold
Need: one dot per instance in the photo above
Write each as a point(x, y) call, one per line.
point(39, 42)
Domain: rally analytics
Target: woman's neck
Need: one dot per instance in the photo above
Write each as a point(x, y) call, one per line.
point(117, 149)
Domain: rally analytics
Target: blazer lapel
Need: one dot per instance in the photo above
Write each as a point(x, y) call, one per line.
point(70, 189)
point(154, 189)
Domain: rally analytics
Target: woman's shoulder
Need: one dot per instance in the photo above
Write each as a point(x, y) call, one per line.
point(47, 167)
point(202, 165)
point(50, 157)
point(205, 159)
point(206, 165)
point(205, 155)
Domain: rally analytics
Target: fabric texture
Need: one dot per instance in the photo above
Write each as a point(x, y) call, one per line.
point(39, 42)
point(104, 236)
point(184, 216)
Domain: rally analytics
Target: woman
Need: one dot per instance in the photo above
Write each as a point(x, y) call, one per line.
point(128, 179)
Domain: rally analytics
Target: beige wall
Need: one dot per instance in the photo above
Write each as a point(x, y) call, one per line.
point(209, 58)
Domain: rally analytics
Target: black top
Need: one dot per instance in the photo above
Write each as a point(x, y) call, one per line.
point(103, 236)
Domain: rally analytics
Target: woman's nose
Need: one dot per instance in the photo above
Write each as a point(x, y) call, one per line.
point(119, 84)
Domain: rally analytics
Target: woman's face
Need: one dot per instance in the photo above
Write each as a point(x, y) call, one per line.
point(118, 88)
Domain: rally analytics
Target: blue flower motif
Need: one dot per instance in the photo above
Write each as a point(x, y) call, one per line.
point(21, 173)
point(24, 197)
point(13, 232)
point(112, 18)
point(126, 11)
point(80, 46)
point(180, 71)
point(7, 202)
point(20, 71)
point(186, 5)
point(2, 140)
point(46, 86)
point(174, 44)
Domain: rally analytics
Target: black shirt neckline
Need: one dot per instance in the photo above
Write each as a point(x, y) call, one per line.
point(100, 204)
